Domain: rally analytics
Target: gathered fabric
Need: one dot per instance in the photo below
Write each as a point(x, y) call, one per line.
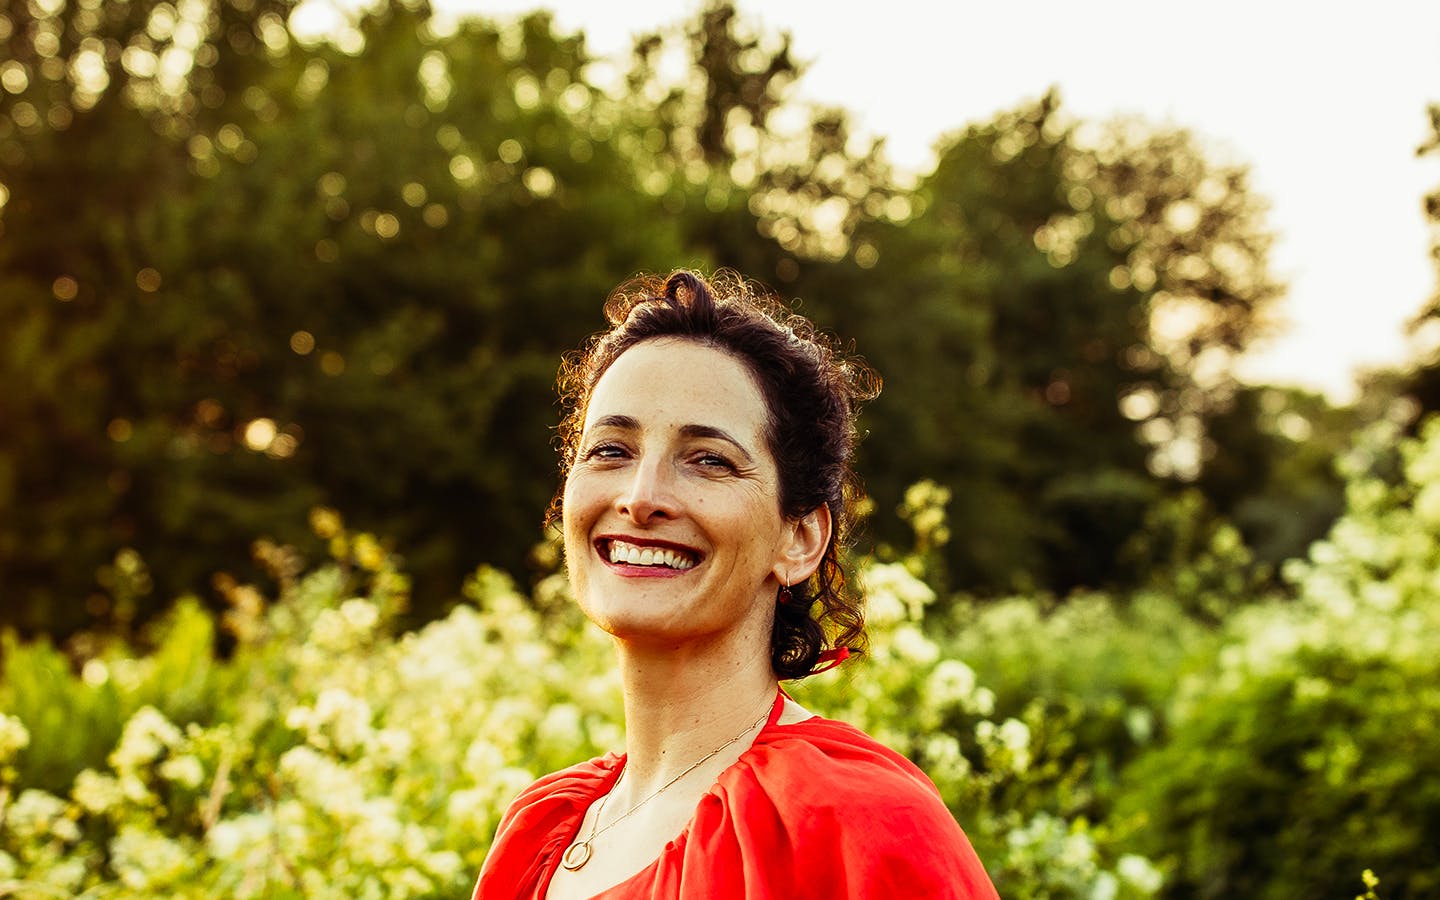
point(813, 809)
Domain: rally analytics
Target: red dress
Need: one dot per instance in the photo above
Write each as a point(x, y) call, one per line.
point(815, 809)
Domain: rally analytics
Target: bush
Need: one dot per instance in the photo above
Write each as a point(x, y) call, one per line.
point(327, 755)
point(1310, 750)
point(1105, 747)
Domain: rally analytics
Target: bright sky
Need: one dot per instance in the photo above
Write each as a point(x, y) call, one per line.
point(1326, 104)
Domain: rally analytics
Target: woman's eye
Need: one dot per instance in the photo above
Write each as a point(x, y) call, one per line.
point(714, 460)
point(605, 451)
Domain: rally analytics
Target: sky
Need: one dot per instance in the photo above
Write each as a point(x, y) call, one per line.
point(1325, 105)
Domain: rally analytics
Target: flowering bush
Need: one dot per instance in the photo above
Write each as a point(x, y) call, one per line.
point(1308, 750)
point(329, 756)
point(1103, 747)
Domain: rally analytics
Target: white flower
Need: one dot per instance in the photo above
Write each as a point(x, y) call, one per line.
point(1106, 887)
point(407, 882)
point(1140, 723)
point(984, 701)
point(65, 829)
point(361, 615)
point(391, 746)
point(1014, 736)
point(952, 683)
point(350, 626)
point(913, 646)
point(944, 759)
point(883, 609)
point(14, 737)
point(33, 814)
point(146, 860)
point(132, 788)
point(561, 727)
point(185, 771)
point(339, 720)
point(146, 737)
point(893, 594)
point(1140, 872)
point(322, 782)
point(95, 673)
point(469, 807)
point(245, 837)
point(67, 874)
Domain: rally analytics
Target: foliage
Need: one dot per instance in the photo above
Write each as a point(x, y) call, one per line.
point(1421, 382)
point(1109, 746)
point(306, 311)
point(342, 758)
point(244, 274)
point(1271, 468)
point(1052, 313)
point(1308, 749)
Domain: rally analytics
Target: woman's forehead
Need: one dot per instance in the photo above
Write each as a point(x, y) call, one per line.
point(679, 382)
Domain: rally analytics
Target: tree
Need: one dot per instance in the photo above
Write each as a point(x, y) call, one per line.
point(96, 107)
point(1021, 305)
point(310, 314)
point(342, 273)
point(1423, 383)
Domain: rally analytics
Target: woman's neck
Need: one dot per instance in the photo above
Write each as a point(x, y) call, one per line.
point(678, 708)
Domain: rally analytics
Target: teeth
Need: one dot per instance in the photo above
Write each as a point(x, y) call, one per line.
point(621, 552)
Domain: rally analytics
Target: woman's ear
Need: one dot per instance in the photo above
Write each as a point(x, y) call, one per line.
point(804, 546)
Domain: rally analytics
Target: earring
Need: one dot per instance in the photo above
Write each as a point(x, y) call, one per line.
point(783, 596)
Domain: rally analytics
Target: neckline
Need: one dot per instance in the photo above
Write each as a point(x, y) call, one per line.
point(607, 782)
point(777, 709)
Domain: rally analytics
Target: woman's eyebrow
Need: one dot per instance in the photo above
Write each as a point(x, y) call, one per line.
point(626, 423)
point(710, 431)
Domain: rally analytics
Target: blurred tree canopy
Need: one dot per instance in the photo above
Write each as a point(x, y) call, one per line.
point(1422, 383)
point(243, 275)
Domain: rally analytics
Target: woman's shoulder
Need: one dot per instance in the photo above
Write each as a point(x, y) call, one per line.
point(824, 761)
point(853, 811)
point(574, 786)
point(819, 771)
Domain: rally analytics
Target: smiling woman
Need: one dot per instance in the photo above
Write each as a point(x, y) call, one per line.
point(706, 451)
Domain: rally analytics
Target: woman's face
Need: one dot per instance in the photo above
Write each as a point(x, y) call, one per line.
point(673, 529)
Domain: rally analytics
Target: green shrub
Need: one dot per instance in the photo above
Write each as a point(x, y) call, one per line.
point(74, 722)
point(328, 755)
point(1281, 755)
point(1310, 750)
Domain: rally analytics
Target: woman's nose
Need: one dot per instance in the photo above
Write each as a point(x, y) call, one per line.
point(648, 494)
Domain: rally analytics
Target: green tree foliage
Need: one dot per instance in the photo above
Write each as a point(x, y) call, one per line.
point(1423, 382)
point(245, 275)
point(353, 287)
point(1031, 306)
point(1271, 469)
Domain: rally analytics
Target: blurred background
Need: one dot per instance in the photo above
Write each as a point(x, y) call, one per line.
point(272, 274)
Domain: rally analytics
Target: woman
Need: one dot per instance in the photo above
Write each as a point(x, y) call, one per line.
point(706, 451)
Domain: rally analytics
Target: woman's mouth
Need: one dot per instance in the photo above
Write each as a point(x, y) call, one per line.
point(627, 554)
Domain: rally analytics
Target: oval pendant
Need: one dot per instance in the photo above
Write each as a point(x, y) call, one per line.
point(576, 855)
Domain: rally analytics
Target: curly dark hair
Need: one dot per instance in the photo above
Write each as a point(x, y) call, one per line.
point(812, 392)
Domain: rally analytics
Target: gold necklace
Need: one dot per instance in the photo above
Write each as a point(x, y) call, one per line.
point(578, 853)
